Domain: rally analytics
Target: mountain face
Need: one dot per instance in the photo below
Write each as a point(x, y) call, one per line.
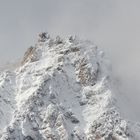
point(61, 91)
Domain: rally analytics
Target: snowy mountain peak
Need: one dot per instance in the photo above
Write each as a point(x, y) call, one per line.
point(62, 91)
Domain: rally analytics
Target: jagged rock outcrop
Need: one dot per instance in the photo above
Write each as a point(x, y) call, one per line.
point(62, 91)
point(28, 55)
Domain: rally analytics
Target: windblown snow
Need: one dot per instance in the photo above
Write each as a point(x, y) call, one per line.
point(62, 91)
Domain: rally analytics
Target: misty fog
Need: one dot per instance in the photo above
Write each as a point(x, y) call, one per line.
point(112, 25)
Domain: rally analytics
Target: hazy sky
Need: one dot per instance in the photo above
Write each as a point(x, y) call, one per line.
point(113, 25)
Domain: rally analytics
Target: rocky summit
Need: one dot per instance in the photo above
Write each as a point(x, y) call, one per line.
point(62, 91)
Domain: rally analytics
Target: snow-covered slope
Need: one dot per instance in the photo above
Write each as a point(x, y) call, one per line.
point(62, 91)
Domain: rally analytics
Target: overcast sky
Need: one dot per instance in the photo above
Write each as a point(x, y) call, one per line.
point(113, 25)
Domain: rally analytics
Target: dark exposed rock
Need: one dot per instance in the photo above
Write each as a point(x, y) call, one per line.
point(28, 138)
point(74, 119)
point(43, 37)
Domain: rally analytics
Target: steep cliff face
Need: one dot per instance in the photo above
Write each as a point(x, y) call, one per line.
point(62, 91)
